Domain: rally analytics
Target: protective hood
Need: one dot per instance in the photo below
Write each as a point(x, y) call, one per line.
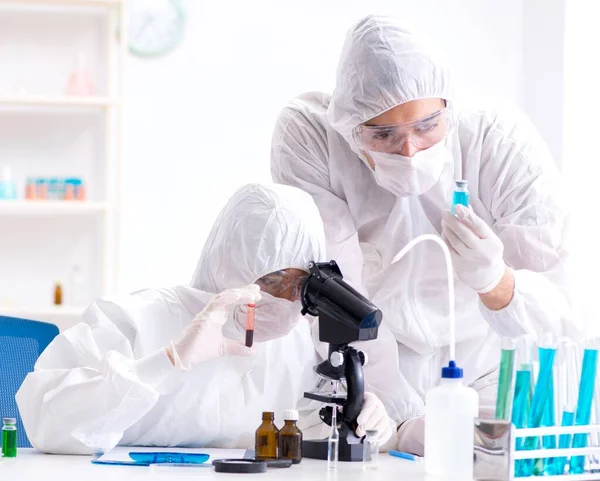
point(262, 229)
point(383, 64)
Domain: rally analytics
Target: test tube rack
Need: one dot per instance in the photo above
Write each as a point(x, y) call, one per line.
point(495, 450)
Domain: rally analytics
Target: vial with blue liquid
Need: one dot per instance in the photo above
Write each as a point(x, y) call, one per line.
point(460, 195)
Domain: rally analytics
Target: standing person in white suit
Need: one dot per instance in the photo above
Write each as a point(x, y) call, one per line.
point(380, 157)
point(167, 367)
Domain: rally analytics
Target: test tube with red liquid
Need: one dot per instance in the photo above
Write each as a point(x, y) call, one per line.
point(250, 325)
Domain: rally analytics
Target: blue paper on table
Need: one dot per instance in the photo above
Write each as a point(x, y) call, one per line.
point(169, 457)
point(121, 455)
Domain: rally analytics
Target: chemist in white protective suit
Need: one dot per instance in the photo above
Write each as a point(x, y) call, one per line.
point(167, 367)
point(380, 157)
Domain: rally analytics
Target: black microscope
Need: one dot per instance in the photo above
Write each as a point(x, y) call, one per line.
point(345, 316)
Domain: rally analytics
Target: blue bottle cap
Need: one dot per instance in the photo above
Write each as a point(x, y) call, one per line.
point(452, 371)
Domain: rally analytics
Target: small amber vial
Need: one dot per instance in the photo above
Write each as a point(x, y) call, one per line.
point(266, 439)
point(58, 294)
point(290, 438)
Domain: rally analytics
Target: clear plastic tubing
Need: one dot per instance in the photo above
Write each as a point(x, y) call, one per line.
point(450, 276)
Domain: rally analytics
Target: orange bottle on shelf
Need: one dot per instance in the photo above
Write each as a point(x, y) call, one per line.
point(58, 294)
point(30, 193)
point(80, 190)
point(69, 191)
point(41, 189)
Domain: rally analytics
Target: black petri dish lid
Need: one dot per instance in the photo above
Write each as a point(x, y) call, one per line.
point(239, 466)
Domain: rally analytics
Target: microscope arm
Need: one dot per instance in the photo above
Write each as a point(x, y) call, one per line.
point(355, 386)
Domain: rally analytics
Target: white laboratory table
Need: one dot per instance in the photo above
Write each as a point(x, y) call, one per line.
point(31, 465)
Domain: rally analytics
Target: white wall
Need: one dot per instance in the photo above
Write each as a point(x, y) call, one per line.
point(199, 121)
point(581, 164)
point(542, 91)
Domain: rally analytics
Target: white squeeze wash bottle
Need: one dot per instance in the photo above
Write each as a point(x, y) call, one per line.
point(450, 410)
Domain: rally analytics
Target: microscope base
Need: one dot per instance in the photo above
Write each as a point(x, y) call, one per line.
point(317, 449)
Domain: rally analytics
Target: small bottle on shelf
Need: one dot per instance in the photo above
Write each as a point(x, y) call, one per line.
point(8, 189)
point(58, 294)
point(80, 82)
point(69, 189)
point(79, 189)
point(53, 189)
point(30, 190)
point(41, 189)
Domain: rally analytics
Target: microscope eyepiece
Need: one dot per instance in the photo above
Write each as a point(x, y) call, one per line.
point(344, 314)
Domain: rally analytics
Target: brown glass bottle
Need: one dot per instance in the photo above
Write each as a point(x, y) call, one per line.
point(266, 439)
point(58, 294)
point(290, 438)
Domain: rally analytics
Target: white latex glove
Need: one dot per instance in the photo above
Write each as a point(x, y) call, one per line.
point(475, 249)
point(411, 436)
point(374, 416)
point(203, 339)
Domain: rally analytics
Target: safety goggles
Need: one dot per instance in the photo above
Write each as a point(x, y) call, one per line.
point(422, 133)
point(283, 284)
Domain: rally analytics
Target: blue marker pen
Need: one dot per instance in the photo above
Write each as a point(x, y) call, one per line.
point(407, 456)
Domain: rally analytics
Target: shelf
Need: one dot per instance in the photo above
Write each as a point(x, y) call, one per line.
point(63, 316)
point(50, 208)
point(33, 101)
point(74, 3)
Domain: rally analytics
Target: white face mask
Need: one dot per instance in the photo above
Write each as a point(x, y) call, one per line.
point(410, 176)
point(274, 318)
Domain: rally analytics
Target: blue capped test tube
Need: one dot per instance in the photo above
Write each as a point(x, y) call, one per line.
point(460, 196)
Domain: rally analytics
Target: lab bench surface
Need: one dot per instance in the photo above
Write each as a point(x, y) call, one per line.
point(31, 465)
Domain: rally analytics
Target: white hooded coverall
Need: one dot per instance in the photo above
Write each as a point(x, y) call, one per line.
point(513, 186)
point(108, 380)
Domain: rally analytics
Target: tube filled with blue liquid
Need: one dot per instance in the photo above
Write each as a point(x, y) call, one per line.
point(542, 405)
point(523, 392)
point(584, 404)
point(460, 195)
point(506, 379)
point(566, 399)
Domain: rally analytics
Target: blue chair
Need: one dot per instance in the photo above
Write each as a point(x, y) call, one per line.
point(21, 343)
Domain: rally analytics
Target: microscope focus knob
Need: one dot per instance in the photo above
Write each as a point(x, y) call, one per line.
point(364, 359)
point(336, 359)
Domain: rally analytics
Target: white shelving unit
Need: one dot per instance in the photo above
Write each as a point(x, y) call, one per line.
point(44, 132)
point(51, 208)
point(33, 101)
